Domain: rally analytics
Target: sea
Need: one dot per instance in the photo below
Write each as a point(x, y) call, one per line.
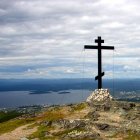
point(27, 92)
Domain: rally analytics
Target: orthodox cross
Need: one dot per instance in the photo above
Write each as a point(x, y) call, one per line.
point(99, 41)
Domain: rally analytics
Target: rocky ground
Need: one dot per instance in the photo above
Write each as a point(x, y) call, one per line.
point(104, 120)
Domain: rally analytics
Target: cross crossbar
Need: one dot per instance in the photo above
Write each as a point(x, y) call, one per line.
point(96, 47)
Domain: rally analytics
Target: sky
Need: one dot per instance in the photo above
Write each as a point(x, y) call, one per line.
point(46, 38)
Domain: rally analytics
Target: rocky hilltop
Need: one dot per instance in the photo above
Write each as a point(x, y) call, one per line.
point(99, 118)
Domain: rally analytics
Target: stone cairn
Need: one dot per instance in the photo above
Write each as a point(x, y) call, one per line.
point(99, 95)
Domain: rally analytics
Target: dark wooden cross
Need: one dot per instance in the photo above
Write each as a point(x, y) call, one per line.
point(99, 41)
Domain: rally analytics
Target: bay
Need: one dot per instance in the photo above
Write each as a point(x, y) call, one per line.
point(26, 92)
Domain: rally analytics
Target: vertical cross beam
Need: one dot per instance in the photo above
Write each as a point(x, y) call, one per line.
point(99, 46)
point(99, 41)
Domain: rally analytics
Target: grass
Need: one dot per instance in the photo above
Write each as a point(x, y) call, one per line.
point(13, 124)
point(40, 133)
point(51, 116)
point(79, 107)
point(7, 125)
point(132, 136)
point(5, 116)
point(126, 136)
point(31, 126)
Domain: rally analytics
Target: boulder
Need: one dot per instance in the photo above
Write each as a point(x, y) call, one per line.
point(99, 95)
point(77, 135)
point(93, 116)
point(102, 126)
point(69, 124)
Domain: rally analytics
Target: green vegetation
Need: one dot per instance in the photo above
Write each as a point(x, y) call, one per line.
point(40, 133)
point(13, 124)
point(76, 123)
point(31, 126)
point(42, 130)
point(79, 107)
point(55, 107)
point(132, 136)
point(5, 116)
point(126, 135)
point(51, 116)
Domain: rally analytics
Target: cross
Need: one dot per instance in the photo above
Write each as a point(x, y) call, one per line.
point(99, 41)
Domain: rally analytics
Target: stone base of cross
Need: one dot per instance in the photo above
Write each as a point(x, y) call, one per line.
point(99, 95)
point(99, 47)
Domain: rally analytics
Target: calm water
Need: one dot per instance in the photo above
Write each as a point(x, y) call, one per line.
point(21, 98)
point(15, 93)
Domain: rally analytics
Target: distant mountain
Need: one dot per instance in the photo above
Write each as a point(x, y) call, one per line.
point(47, 85)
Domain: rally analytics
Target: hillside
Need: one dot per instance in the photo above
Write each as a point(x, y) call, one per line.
point(114, 120)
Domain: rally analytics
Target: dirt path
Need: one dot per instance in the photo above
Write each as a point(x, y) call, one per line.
point(18, 133)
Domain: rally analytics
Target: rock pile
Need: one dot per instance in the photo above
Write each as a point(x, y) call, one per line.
point(99, 95)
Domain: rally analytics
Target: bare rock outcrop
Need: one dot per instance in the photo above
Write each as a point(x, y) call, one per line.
point(99, 95)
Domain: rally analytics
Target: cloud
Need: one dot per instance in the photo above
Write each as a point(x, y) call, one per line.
point(38, 36)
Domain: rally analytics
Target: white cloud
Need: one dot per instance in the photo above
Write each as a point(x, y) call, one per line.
point(48, 34)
